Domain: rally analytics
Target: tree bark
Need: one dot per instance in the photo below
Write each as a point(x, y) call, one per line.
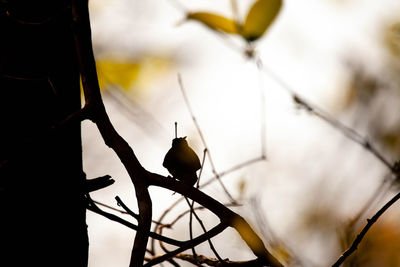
point(42, 185)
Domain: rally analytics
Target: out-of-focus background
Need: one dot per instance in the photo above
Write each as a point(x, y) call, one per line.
point(341, 55)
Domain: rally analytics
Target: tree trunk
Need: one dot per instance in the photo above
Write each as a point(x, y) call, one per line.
point(42, 204)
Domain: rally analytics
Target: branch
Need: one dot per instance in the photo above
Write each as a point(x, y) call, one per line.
point(313, 109)
point(93, 101)
point(194, 242)
point(94, 208)
point(128, 210)
point(207, 183)
point(227, 217)
point(346, 131)
point(199, 259)
point(183, 91)
point(192, 212)
point(361, 235)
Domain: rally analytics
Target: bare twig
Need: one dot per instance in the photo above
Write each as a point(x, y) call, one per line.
point(345, 130)
point(361, 235)
point(215, 262)
point(194, 242)
point(210, 181)
point(192, 212)
point(128, 210)
point(94, 208)
point(313, 109)
point(263, 115)
point(226, 215)
point(183, 91)
point(109, 207)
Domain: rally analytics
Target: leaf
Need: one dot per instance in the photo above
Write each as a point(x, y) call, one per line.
point(214, 21)
point(259, 18)
point(114, 72)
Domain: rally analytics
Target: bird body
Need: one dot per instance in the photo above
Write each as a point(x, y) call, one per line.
point(182, 162)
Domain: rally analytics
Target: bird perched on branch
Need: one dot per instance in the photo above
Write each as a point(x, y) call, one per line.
point(181, 161)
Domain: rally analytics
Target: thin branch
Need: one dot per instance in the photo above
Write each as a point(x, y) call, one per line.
point(363, 232)
point(128, 210)
point(232, 169)
point(194, 242)
point(94, 208)
point(345, 130)
point(215, 262)
point(196, 208)
point(191, 209)
point(192, 212)
point(109, 207)
point(183, 91)
point(263, 115)
point(191, 224)
point(379, 192)
point(210, 181)
point(226, 215)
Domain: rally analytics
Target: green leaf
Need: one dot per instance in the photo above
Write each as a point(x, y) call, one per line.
point(214, 21)
point(259, 18)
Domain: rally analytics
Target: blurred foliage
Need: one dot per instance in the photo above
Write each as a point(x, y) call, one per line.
point(214, 21)
point(392, 39)
point(123, 74)
point(260, 16)
point(131, 75)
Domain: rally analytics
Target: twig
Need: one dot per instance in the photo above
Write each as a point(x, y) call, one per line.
point(346, 131)
point(191, 223)
point(215, 262)
point(263, 115)
point(226, 215)
point(196, 208)
point(361, 235)
point(198, 240)
point(204, 229)
point(109, 207)
point(128, 210)
point(191, 209)
point(210, 181)
point(93, 207)
point(183, 91)
point(232, 169)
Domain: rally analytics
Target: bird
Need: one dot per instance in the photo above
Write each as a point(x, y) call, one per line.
point(182, 162)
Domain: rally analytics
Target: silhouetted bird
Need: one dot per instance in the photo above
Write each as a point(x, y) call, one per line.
point(182, 162)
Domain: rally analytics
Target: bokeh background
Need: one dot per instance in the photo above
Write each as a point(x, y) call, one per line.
point(341, 55)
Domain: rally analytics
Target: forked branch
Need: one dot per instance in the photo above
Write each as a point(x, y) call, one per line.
point(141, 178)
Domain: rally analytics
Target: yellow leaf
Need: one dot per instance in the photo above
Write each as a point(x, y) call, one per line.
point(259, 18)
point(214, 21)
point(114, 72)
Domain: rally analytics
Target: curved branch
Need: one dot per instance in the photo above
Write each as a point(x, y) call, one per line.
point(82, 35)
point(227, 216)
point(194, 242)
point(94, 208)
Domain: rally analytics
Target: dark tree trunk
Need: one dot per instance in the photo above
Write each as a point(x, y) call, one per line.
point(42, 205)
